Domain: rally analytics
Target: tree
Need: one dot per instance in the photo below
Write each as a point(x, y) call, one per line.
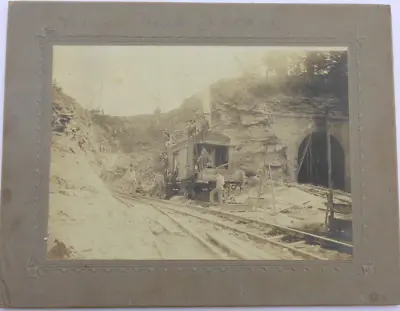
point(322, 74)
point(281, 64)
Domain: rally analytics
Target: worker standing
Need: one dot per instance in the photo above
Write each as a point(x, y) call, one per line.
point(191, 130)
point(130, 176)
point(205, 127)
point(167, 135)
point(219, 189)
point(203, 159)
point(165, 163)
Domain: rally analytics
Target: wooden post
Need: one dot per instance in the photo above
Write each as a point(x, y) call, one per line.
point(328, 147)
point(262, 174)
point(272, 189)
point(329, 207)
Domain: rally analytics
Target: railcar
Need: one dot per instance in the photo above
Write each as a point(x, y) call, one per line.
point(185, 175)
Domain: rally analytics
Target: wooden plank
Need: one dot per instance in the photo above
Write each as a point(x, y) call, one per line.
point(253, 250)
point(241, 218)
point(278, 237)
point(251, 235)
point(187, 230)
point(192, 233)
point(289, 230)
point(298, 243)
point(340, 215)
point(223, 225)
point(228, 247)
point(235, 247)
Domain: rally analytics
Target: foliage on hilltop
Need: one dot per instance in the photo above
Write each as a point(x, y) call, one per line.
point(296, 75)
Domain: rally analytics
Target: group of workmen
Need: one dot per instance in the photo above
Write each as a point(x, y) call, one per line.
point(192, 130)
point(200, 130)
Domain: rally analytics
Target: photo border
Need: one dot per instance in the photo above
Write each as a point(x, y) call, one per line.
point(27, 279)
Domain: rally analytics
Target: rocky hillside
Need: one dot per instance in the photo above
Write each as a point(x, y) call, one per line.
point(241, 108)
point(243, 111)
point(111, 144)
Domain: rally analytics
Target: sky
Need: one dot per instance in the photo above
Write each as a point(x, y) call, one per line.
point(132, 80)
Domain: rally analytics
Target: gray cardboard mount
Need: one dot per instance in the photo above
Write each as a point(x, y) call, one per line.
point(28, 280)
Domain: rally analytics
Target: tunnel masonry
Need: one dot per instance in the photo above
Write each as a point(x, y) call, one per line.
point(295, 131)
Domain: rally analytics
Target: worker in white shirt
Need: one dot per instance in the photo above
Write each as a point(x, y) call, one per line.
point(130, 176)
point(219, 189)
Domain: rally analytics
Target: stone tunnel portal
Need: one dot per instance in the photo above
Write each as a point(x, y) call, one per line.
point(313, 161)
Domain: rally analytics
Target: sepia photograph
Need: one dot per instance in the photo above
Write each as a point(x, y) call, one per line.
point(200, 153)
point(219, 148)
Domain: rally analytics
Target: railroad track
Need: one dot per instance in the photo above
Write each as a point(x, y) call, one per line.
point(340, 196)
point(300, 244)
point(223, 245)
point(184, 228)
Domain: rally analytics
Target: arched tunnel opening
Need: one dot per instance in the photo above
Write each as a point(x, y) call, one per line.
point(313, 161)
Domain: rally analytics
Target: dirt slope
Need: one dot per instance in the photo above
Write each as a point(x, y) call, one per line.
point(83, 213)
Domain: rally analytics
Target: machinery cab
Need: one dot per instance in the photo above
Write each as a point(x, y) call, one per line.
point(194, 159)
point(212, 158)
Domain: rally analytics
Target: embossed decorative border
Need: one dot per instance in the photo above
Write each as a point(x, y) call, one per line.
point(204, 279)
point(49, 37)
